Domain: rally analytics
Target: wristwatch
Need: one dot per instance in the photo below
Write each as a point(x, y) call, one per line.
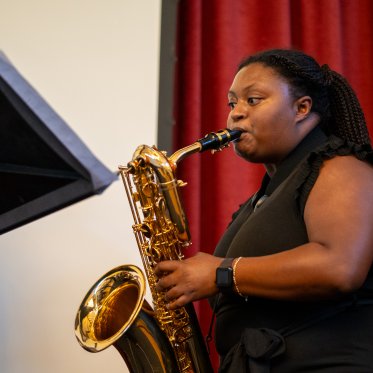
point(224, 276)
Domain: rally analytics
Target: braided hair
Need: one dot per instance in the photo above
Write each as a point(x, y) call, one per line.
point(332, 96)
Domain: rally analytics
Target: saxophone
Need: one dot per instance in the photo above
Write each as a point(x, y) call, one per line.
point(115, 311)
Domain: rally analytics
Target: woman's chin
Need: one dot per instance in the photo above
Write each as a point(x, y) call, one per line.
point(246, 154)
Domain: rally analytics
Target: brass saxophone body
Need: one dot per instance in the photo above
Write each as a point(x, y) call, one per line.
point(115, 312)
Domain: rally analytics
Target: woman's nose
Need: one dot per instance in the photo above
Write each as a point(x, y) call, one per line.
point(238, 112)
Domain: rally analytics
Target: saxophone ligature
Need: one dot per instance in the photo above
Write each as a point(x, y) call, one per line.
point(115, 311)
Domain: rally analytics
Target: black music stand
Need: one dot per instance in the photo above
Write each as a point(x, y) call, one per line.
point(44, 166)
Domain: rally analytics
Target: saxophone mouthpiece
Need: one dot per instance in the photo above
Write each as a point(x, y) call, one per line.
point(216, 141)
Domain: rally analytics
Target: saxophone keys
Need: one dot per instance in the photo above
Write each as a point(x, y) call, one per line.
point(136, 197)
point(145, 229)
point(181, 183)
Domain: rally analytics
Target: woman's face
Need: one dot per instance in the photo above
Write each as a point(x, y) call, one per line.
point(264, 109)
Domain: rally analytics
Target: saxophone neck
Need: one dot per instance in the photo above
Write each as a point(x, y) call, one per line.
point(182, 153)
point(214, 141)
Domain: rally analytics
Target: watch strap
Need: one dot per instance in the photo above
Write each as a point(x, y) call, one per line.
point(224, 276)
point(226, 263)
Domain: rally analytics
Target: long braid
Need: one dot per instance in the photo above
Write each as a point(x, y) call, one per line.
point(332, 96)
point(347, 120)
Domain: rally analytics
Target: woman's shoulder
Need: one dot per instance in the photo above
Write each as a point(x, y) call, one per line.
point(347, 161)
point(337, 153)
point(335, 158)
point(335, 146)
point(347, 169)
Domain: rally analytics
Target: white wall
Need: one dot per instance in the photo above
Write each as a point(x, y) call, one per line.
point(96, 63)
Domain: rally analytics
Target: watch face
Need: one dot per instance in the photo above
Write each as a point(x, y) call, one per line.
point(224, 277)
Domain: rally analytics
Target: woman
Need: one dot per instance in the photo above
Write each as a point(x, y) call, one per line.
point(295, 292)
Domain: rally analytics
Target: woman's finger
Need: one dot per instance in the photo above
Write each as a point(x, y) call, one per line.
point(179, 302)
point(165, 267)
point(165, 283)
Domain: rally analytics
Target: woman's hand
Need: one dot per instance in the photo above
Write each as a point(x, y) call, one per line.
point(185, 281)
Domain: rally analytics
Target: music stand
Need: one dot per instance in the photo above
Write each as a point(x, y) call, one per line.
point(44, 165)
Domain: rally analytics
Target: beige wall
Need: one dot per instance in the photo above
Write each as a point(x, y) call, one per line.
point(96, 63)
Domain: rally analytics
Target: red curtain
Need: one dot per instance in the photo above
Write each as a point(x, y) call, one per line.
point(213, 37)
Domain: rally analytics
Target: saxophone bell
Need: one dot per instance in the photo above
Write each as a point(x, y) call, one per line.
point(115, 313)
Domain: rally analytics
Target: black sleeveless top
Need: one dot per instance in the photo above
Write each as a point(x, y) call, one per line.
point(271, 221)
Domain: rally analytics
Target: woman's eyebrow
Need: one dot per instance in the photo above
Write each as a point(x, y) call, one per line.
point(244, 90)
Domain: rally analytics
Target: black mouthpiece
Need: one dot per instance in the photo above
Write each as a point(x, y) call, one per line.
point(219, 140)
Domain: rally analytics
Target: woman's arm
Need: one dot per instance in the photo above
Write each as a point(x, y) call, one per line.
point(339, 220)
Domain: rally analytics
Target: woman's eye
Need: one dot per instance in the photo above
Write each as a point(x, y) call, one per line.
point(253, 100)
point(231, 105)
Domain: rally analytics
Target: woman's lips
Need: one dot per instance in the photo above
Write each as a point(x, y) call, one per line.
point(244, 135)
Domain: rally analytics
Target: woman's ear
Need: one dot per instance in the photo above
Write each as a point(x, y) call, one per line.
point(303, 107)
